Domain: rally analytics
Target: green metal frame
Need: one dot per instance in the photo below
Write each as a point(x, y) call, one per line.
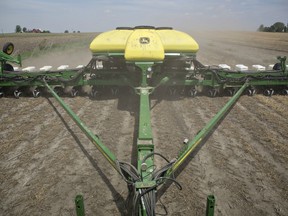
point(192, 145)
point(145, 146)
point(4, 58)
point(146, 182)
point(211, 78)
point(94, 139)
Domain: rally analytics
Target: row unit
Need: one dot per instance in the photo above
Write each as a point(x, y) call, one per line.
point(44, 68)
point(241, 67)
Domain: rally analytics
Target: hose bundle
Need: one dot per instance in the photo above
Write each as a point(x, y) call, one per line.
point(146, 197)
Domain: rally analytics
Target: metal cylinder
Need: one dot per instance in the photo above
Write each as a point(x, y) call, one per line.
point(79, 204)
point(210, 205)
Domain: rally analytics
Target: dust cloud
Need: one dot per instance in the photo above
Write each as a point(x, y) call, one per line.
point(72, 57)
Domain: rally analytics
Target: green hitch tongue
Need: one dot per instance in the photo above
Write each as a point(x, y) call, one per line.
point(92, 137)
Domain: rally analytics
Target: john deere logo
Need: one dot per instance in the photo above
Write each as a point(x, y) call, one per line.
point(144, 40)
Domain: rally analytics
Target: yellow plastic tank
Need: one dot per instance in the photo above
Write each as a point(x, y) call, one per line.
point(111, 41)
point(176, 41)
point(144, 43)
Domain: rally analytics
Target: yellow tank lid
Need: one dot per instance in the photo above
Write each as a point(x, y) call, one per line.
point(111, 41)
point(144, 43)
point(177, 41)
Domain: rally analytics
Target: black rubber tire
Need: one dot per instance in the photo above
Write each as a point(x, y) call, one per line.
point(212, 93)
point(8, 67)
point(277, 66)
point(8, 48)
point(268, 92)
point(251, 92)
point(285, 91)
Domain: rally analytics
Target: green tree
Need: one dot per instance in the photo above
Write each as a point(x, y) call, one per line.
point(261, 28)
point(18, 29)
point(278, 27)
point(272, 28)
point(66, 31)
point(24, 29)
point(267, 29)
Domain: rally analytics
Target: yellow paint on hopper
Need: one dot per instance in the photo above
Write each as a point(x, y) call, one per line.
point(144, 44)
point(176, 41)
point(111, 41)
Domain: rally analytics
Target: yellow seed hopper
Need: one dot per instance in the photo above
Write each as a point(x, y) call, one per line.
point(144, 43)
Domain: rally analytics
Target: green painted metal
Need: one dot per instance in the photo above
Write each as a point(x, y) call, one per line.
point(283, 63)
point(144, 79)
point(145, 131)
point(211, 78)
point(184, 154)
point(210, 206)
point(145, 138)
point(79, 204)
point(145, 144)
point(8, 58)
point(93, 138)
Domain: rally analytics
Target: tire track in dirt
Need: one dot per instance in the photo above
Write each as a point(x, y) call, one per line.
point(225, 164)
point(282, 101)
point(168, 133)
point(26, 166)
point(101, 117)
point(96, 116)
point(211, 158)
point(232, 134)
point(116, 132)
point(193, 114)
point(25, 129)
point(233, 196)
point(42, 160)
point(11, 118)
point(168, 130)
point(21, 146)
point(183, 118)
point(198, 169)
point(113, 123)
point(271, 150)
point(272, 127)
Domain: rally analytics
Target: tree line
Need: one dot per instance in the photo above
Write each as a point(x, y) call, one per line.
point(276, 27)
point(19, 29)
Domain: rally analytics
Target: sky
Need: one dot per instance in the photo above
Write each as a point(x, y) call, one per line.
point(102, 15)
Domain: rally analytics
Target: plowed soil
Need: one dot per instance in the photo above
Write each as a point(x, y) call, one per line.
point(45, 159)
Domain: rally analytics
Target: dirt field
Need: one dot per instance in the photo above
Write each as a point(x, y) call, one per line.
point(45, 160)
